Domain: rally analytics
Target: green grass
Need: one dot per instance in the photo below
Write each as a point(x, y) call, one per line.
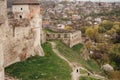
point(87, 78)
point(49, 31)
point(49, 67)
point(83, 71)
point(74, 56)
point(78, 47)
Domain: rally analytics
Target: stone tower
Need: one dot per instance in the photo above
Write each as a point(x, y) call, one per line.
point(30, 10)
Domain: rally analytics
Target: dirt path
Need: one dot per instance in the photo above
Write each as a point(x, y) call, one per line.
point(75, 75)
point(75, 71)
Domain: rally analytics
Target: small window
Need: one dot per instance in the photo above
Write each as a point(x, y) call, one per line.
point(20, 17)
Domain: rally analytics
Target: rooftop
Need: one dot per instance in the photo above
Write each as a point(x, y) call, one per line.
point(25, 2)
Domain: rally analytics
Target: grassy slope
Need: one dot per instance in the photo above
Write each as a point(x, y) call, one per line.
point(74, 56)
point(49, 31)
point(49, 67)
point(87, 78)
point(78, 47)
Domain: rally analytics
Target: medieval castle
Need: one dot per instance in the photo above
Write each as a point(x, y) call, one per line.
point(22, 35)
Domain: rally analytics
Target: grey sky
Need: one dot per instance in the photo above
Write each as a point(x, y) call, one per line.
point(101, 0)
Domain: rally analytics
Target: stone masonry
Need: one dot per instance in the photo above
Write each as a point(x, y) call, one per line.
point(3, 25)
point(70, 38)
point(19, 40)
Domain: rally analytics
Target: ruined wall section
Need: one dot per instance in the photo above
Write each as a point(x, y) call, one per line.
point(75, 38)
point(64, 37)
point(69, 39)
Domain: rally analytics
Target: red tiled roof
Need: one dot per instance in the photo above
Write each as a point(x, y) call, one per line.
point(24, 2)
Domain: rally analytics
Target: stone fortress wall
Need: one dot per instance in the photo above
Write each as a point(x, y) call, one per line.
point(75, 38)
point(3, 25)
point(70, 38)
point(16, 40)
point(19, 44)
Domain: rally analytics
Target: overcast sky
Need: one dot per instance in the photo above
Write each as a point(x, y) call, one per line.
point(101, 0)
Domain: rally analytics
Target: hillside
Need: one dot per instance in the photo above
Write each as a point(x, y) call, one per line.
point(50, 67)
point(75, 56)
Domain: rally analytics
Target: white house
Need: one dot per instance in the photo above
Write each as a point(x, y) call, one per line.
point(60, 26)
point(99, 20)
